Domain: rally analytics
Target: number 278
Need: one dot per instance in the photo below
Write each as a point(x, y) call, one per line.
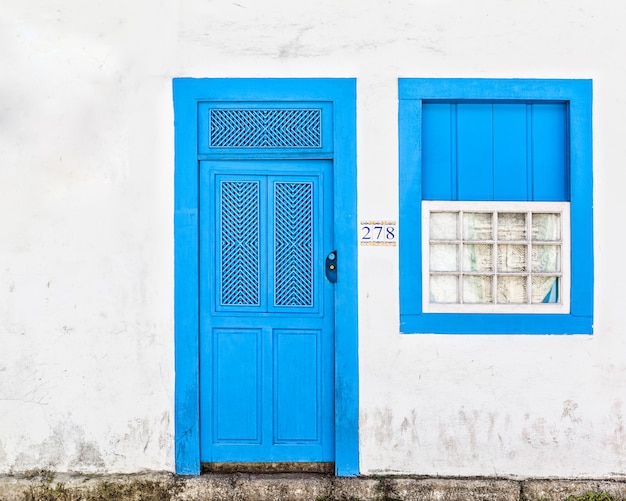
point(378, 233)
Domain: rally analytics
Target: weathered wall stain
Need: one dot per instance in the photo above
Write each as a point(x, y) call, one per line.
point(409, 426)
point(616, 432)
point(476, 437)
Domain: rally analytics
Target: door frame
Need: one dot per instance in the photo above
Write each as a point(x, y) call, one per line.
point(187, 93)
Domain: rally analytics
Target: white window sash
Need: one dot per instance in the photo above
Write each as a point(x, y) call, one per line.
point(564, 273)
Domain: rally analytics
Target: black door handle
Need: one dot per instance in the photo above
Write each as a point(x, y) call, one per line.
point(331, 266)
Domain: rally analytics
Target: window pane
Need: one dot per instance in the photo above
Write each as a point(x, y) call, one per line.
point(444, 289)
point(443, 225)
point(511, 258)
point(546, 227)
point(545, 290)
point(546, 258)
point(477, 226)
point(495, 257)
point(511, 226)
point(444, 257)
point(477, 257)
point(478, 289)
point(512, 290)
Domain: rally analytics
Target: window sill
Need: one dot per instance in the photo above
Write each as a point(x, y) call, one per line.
point(470, 323)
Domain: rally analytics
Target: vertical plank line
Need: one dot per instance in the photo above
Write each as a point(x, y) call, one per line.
point(454, 167)
point(530, 175)
point(568, 169)
point(493, 154)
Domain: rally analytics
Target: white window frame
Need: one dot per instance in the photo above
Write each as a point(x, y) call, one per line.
point(562, 208)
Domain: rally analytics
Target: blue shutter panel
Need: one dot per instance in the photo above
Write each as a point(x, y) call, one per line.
point(474, 136)
point(510, 152)
point(549, 152)
point(495, 151)
point(439, 151)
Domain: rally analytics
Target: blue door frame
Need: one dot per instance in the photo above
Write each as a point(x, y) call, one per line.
point(341, 95)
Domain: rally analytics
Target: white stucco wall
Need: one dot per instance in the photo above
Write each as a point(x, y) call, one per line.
point(86, 288)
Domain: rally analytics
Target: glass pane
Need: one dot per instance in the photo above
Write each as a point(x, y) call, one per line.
point(477, 289)
point(546, 227)
point(512, 289)
point(546, 258)
point(477, 257)
point(444, 289)
point(545, 290)
point(443, 225)
point(511, 226)
point(477, 226)
point(512, 258)
point(444, 257)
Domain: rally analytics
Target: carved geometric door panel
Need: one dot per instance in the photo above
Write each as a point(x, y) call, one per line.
point(267, 311)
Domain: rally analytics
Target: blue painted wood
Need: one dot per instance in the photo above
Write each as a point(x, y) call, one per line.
point(238, 259)
point(293, 214)
point(549, 152)
point(474, 152)
point(492, 151)
point(513, 89)
point(298, 386)
point(555, 163)
point(510, 159)
point(189, 96)
point(410, 116)
point(186, 423)
point(235, 409)
point(581, 193)
point(346, 288)
point(440, 323)
point(321, 132)
point(439, 151)
point(266, 381)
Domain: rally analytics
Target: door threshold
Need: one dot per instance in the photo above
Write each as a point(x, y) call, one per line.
point(293, 467)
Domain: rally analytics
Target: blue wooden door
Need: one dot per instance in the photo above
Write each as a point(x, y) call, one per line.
point(266, 311)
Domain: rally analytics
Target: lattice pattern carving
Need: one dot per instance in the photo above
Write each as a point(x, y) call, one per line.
point(277, 128)
point(240, 243)
point(293, 251)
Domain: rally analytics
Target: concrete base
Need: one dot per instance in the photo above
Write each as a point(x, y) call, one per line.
point(45, 486)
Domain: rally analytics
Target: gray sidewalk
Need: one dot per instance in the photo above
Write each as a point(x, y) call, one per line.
point(44, 486)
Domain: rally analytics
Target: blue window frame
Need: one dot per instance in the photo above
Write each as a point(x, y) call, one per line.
point(496, 140)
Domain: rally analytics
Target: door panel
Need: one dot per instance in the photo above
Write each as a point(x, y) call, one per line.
point(237, 393)
point(238, 237)
point(297, 399)
point(292, 231)
point(267, 311)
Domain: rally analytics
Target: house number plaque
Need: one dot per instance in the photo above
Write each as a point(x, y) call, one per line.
point(379, 233)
